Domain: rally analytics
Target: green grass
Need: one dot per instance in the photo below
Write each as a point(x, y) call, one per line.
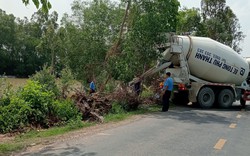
point(147, 93)
point(7, 148)
point(116, 117)
point(54, 131)
point(124, 115)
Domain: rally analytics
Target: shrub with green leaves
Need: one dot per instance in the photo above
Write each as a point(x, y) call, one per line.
point(5, 92)
point(147, 93)
point(46, 78)
point(39, 100)
point(65, 110)
point(14, 116)
point(35, 106)
point(4, 101)
point(116, 108)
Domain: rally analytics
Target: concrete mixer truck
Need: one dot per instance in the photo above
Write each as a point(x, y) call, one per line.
point(205, 71)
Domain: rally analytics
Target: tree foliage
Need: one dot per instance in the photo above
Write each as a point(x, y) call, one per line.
point(18, 40)
point(22, 40)
point(94, 28)
point(85, 37)
point(46, 5)
point(88, 34)
point(147, 24)
point(7, 35)
point(189, 20)
point(221, 23)
point(215, 20)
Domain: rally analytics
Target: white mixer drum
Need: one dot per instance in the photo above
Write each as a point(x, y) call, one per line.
point(212, 61)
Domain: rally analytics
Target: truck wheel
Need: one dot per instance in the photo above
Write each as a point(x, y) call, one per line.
point(226, 98)
point(206, 97)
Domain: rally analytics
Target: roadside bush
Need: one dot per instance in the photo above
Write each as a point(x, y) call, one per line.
point(111, 86)
point(35, 106)
point(65, 110)
point(116, 108)
point(75, 123)
point(39, 100)
point(5, 92)
point(14, 116)
point(46, 78)
point(4, 101)
point(130, 105)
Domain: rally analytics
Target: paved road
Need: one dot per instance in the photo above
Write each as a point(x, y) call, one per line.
point(182, 131)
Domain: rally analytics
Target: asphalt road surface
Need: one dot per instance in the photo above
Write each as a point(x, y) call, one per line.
point(183, 131)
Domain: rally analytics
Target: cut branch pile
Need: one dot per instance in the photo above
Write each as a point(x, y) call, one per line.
point(127, 97)
point(92, 107)
point(155, 86)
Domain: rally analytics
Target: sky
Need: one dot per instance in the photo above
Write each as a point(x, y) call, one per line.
point(240, 7)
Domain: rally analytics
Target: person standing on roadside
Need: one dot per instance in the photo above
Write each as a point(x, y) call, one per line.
point(166, 92)
point(137, 86)
point(92, 88)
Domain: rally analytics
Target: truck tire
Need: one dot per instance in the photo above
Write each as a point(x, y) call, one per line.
point(225, 98)
point(206, 97)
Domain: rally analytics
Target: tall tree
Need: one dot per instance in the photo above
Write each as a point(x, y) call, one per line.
point(48, 47)
point(189, 21)
point(147, 24)
point(20, 41)
point(221, 23)
point(27, 38)
point(90, 31)
point(7, 36)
